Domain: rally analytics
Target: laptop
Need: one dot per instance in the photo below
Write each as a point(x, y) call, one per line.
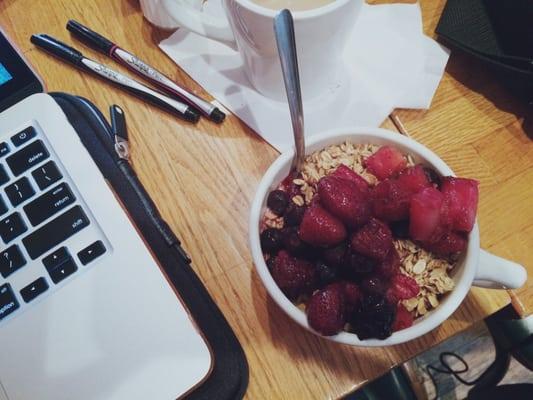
point(85, 310)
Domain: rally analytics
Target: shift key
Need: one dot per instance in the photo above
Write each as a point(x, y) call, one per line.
point(55, 232)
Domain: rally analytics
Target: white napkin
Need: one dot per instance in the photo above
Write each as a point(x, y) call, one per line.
point(391, 64)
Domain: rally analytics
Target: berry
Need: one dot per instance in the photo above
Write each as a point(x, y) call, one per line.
point(294, 214)
point(390, 266)
point(356, 266)
point(433, 177)
point(390, 201)
point(277, 201)
point(402, 287)
point(373, 286)
point(271, 240)
point(385, 162)
point(353, 296)
point(320, 228)
point(343, 199)
point(326, 310)
point(345, 172)
point(270, 262)
point(449, 245)
point(400, 229)
point(428, 216)
point(403, 320)
point(461, 196)
point(374, 318)
point(334, 256)
point(374, 240)
point(326, 274)
point(413, 179)
point(293, 244)
point(293, 276)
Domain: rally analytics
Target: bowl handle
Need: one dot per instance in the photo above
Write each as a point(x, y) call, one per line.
point(494, 272)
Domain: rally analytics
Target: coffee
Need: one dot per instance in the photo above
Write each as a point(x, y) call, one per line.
point(293, 5)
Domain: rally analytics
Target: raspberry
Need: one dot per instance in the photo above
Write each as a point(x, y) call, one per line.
point(326, 310)
point(402, 287)
point(404, 319)
point(293, 276)
point(373, 240)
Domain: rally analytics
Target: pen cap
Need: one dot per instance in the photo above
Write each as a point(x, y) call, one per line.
point(57, 48)
point(90, 37)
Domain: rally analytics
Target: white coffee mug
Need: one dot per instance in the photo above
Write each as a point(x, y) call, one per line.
point(321, 35)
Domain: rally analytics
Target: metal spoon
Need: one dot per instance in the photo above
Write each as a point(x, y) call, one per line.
point(285, 38)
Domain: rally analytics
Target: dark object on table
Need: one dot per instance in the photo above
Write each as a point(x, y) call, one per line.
point(499, 33)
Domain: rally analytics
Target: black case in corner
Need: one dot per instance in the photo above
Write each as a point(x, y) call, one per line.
point(229, 376)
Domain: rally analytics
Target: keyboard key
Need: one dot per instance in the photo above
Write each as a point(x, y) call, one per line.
point(55, 232)
point(4, 149)
point(8, 301)
point(3, 175)
point(20, 191)
point(60, 272)
point(27, 157)
point(46, 175)
point(34, 289)
point(11, 227)
point(91, 252)
point(11, 259)
point(58, 257)
point(49, 204)
point(3, 207)
point(24, 136)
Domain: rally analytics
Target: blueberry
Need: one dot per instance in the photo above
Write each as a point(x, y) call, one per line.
point(374, 318)
point(326, 274)
point(278, 201)
point(357, 266)
point(296, 246)
point(335, 256)
point(400, 229)
point(294, 214)
point(271, 240)
point(373, 286)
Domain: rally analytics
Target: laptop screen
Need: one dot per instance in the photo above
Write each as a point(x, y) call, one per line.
point(4, 74)
point(17, 80)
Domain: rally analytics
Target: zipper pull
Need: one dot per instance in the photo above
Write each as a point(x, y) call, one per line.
point(120, 132)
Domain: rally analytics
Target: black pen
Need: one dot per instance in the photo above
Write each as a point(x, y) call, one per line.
point(110, 49)
point(75, 57)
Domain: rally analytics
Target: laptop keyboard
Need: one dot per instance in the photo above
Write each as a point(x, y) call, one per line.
point(41, 215)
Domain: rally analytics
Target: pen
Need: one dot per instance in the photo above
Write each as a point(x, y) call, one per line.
point(75, 57)
point(105, 46)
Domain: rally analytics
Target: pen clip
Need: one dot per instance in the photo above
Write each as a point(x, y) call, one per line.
point(120, 132)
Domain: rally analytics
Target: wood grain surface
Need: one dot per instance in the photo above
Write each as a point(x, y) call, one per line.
point(203, 178)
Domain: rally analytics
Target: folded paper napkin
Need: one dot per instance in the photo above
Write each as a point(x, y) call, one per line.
point(391, 64)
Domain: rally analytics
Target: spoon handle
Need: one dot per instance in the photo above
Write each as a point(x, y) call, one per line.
point(285, 38)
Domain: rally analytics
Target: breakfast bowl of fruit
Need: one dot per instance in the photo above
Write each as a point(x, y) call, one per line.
point(374, 242)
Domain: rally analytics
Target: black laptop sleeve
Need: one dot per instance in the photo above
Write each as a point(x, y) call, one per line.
point(229, 375)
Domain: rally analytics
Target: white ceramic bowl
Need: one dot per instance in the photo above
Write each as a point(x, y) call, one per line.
point(494, 272)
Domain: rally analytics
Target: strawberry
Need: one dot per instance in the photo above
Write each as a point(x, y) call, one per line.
point(428, 216)
point(390, 266)
point(390, 201)
point(347, 173)
point(385, 162)
point(343, 199)
point(413, 179)
point(402, 287)
point(374, 240)
point(450, 244)
point(293, 276)
point(320, 228)
point(403, 320)
point(326, 312)
point(462, 197)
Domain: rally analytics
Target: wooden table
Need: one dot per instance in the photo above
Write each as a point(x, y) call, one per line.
point(203, 178)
